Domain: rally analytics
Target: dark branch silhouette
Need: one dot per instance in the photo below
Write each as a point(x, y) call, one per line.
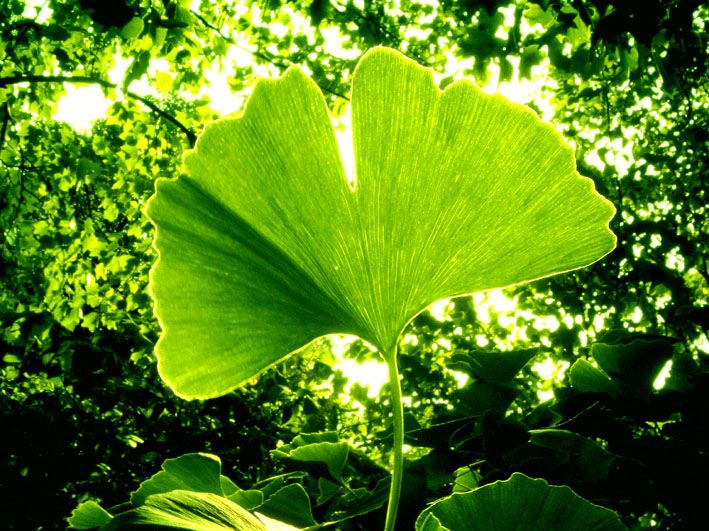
point(87, 80)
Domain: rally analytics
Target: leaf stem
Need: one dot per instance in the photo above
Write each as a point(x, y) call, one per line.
point(398, 442)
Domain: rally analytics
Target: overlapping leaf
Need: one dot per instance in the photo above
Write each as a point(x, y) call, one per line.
point(196, 472)
point(627, 366)
point(265, 245)
point(322, 453)
point(188, 511)
point(517, 503)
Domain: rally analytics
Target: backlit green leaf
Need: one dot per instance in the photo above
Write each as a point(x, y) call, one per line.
point(496, 367)
point(248, 499)
point(587, 378)
point(188, 511)
point(636, 363)
point(89, 515)
point(320, 454)
point(133, 28)
point(291, 505)
point(264, 244)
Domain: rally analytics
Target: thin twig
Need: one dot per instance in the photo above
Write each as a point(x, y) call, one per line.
point(268, 58)
point(5, 121)
point(21, 192)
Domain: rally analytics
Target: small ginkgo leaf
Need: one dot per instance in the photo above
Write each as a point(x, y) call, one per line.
point(589, 379)
point(486, 366)
point(290, 505)
point(327, 458)
point(322, 454)
point(196, 472)
point(264, 244)
point(89, 515)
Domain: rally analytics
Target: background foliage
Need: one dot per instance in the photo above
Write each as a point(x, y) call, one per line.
point(83, 411)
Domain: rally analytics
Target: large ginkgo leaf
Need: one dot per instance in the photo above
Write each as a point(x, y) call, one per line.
point(264, 244)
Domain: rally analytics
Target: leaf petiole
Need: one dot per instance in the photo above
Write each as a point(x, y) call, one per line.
point(398, 442)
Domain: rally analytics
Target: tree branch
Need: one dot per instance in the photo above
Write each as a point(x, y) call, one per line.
point(191, 136)
point(5, 121)
point(87, 80)
point(268, 58)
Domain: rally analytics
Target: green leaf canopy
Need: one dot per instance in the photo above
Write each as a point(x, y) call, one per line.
point(264, 244)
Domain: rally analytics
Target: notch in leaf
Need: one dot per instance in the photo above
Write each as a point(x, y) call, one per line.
point(264, 245)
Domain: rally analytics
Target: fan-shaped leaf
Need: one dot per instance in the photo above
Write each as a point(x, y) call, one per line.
point(188, 511)
point(195, 472)
point(517, 503)
point(587, 378)
point(497, 367)
point(89, 515)
point(265, 245)
point(322, 453)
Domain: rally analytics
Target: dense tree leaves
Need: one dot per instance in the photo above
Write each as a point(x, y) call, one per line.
point(79, 396)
